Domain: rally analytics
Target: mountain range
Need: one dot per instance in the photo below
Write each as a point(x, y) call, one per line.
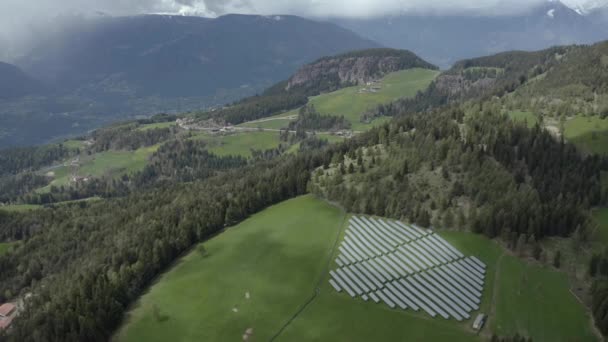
point(445, 39)
point(111, 68)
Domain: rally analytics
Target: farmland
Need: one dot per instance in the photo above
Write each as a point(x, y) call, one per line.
point(350, 103)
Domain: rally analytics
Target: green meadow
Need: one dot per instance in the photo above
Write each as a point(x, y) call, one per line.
point(350, 103)
point(524, 117)
point(254, 275)
point(240, 144)
point(6, 246)
point(590, 133)
point(262, 273)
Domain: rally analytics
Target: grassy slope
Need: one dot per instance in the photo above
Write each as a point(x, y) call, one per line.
point(109, 163)
point(528, 117)
point(240, 143)
point(601, 216)
point(536, 301)
point(19, 207)
point(277, 255)
point(5, 246)
point(589, 133)
point(337, 317)
point(351, 104)
point(156, 125)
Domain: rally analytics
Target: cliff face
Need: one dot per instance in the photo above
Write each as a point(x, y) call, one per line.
point(354, 68)
point(347, 71)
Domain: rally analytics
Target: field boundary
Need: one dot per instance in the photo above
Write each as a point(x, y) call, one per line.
point(322, 276)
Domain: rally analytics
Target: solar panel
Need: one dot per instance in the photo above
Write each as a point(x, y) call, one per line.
point(443, 301)
point(454, 279)
point(440, 248)
point(400, 292)
point(385, 299)
point(342, 284)
point(417, 297)
point(334, 285)
point(415, 245)
point(448, 291)
point(368, 283)
point(365, 241)
point(478, 262)
point(351, 283)
point(409, 230)
point(399, 269)
point(349, 273)
point(389, 269)
point(412, 257)
point(427, 297)
point(369, 275)
point(385, 234)
point(408, 267)
point(401, 237)
point(474, 266)
point(347, 255)
point(394, 298)
point(372, 241)
point(381, 271)
point(339, 263)
point(375, 298)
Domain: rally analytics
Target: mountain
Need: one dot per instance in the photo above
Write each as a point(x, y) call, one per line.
point(110, 68)
point(15, 83)
point(445, 39)
point(324, 75)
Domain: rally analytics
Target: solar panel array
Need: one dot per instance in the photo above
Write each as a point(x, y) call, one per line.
point(407, 267)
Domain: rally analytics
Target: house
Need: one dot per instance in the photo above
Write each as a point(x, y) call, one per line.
point(7, 312)
point(5, 322)
point(7, 309)
point(479, 321)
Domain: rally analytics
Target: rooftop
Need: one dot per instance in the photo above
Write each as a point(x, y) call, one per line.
point(6, 309)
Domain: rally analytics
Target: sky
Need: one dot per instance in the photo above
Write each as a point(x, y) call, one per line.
point(20, 19)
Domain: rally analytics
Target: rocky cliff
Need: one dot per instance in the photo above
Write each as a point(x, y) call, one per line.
point(359, 67)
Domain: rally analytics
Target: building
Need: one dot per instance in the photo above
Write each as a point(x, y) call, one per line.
point(7, 309)
point(479, 321)
point(7, 313)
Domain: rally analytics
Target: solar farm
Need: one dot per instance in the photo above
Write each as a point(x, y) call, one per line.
point(407, 267)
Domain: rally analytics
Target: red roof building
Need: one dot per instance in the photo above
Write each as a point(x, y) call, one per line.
point(5, 322)
point(7, 309)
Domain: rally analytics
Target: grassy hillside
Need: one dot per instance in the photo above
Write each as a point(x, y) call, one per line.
point(240, 144)
point(601, 217)
point(350, 103)
point(276, 256)
point(109, 164)
point(526, 117)
point(5, 246)
point(589, 133)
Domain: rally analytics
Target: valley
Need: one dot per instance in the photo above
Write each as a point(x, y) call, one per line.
point(237, 222)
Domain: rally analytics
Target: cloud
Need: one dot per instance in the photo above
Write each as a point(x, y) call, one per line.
point(21, 19)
